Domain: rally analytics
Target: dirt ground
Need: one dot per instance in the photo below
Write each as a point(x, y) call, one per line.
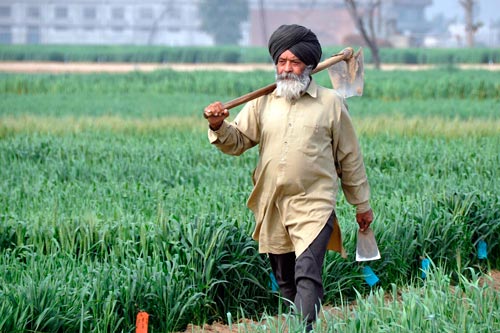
point(81, 67)
point(246, 325)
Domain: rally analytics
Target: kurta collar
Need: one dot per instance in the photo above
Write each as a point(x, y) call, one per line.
point(312, 90)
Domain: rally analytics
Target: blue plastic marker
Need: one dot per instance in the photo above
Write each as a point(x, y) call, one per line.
point(273, 284)
point(425, 267)
point(482, 252)
point(370, 277)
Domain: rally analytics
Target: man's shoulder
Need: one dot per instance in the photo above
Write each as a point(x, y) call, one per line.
point(262, 100)
point(325, 92)
point(255, 105)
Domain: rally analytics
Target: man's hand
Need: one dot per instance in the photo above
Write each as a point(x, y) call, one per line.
point(364, 219)
point(215, 113)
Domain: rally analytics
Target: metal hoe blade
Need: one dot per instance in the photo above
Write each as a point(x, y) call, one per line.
point(366, 246)
point(348, 76)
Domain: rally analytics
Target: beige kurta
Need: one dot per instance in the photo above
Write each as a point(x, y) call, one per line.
point(296, 181)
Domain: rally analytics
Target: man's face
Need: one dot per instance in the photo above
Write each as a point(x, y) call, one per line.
point(292, 76)
point(289, 63)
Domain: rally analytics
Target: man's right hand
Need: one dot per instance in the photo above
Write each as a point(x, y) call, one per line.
point(364, 220)
point(215, 114)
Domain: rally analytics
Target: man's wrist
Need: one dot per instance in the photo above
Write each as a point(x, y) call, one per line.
point(363, 207)
point(215, 127)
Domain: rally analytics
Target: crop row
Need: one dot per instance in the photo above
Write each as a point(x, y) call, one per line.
point(105, 224)
point(229, 54)
point(443, 83)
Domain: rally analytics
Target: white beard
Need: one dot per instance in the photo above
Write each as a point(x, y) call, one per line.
point(292, 86)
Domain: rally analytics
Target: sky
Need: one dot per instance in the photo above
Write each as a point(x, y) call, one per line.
point(489, 10)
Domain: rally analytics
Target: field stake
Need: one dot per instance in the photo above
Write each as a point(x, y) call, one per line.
point(370, 277)
point(482, 252)
point(425, 264)
point(141, 324)
point(273, 283)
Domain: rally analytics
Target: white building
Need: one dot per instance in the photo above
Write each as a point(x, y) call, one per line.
point(399, 23)
point(154, 22)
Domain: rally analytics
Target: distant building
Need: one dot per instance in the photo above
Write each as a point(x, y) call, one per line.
point(329, 19)
point(177, 22)
point(397, 22)
point(402, 22)
point(155, 22)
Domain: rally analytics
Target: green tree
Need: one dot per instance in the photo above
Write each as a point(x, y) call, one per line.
point(222, 19)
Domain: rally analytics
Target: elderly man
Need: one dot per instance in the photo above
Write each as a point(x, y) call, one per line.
point(307, 143)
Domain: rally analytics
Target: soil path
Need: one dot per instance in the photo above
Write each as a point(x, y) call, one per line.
point(84, 67)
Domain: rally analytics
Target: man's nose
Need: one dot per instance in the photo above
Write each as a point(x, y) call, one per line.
point(288, 67)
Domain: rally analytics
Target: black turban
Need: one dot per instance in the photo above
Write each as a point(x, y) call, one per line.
point(302, 42)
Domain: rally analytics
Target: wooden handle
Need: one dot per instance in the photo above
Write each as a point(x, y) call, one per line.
point(345, 54)
point(251, 95)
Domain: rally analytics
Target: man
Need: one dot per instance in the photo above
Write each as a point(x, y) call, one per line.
point(306, 144)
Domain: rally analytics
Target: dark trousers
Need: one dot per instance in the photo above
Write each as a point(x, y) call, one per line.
point(299, 279)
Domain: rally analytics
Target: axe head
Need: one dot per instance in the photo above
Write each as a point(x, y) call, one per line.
point(348, 76)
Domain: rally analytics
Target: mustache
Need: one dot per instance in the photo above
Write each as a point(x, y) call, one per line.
point(288, 76)
point(303, 78)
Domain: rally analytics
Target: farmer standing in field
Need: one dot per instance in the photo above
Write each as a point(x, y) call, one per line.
point(307, 143)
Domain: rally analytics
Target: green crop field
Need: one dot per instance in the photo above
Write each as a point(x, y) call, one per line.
point(112, 201)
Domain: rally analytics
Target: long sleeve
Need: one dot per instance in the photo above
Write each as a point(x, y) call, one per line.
point(234, 138)
point(354, 181)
